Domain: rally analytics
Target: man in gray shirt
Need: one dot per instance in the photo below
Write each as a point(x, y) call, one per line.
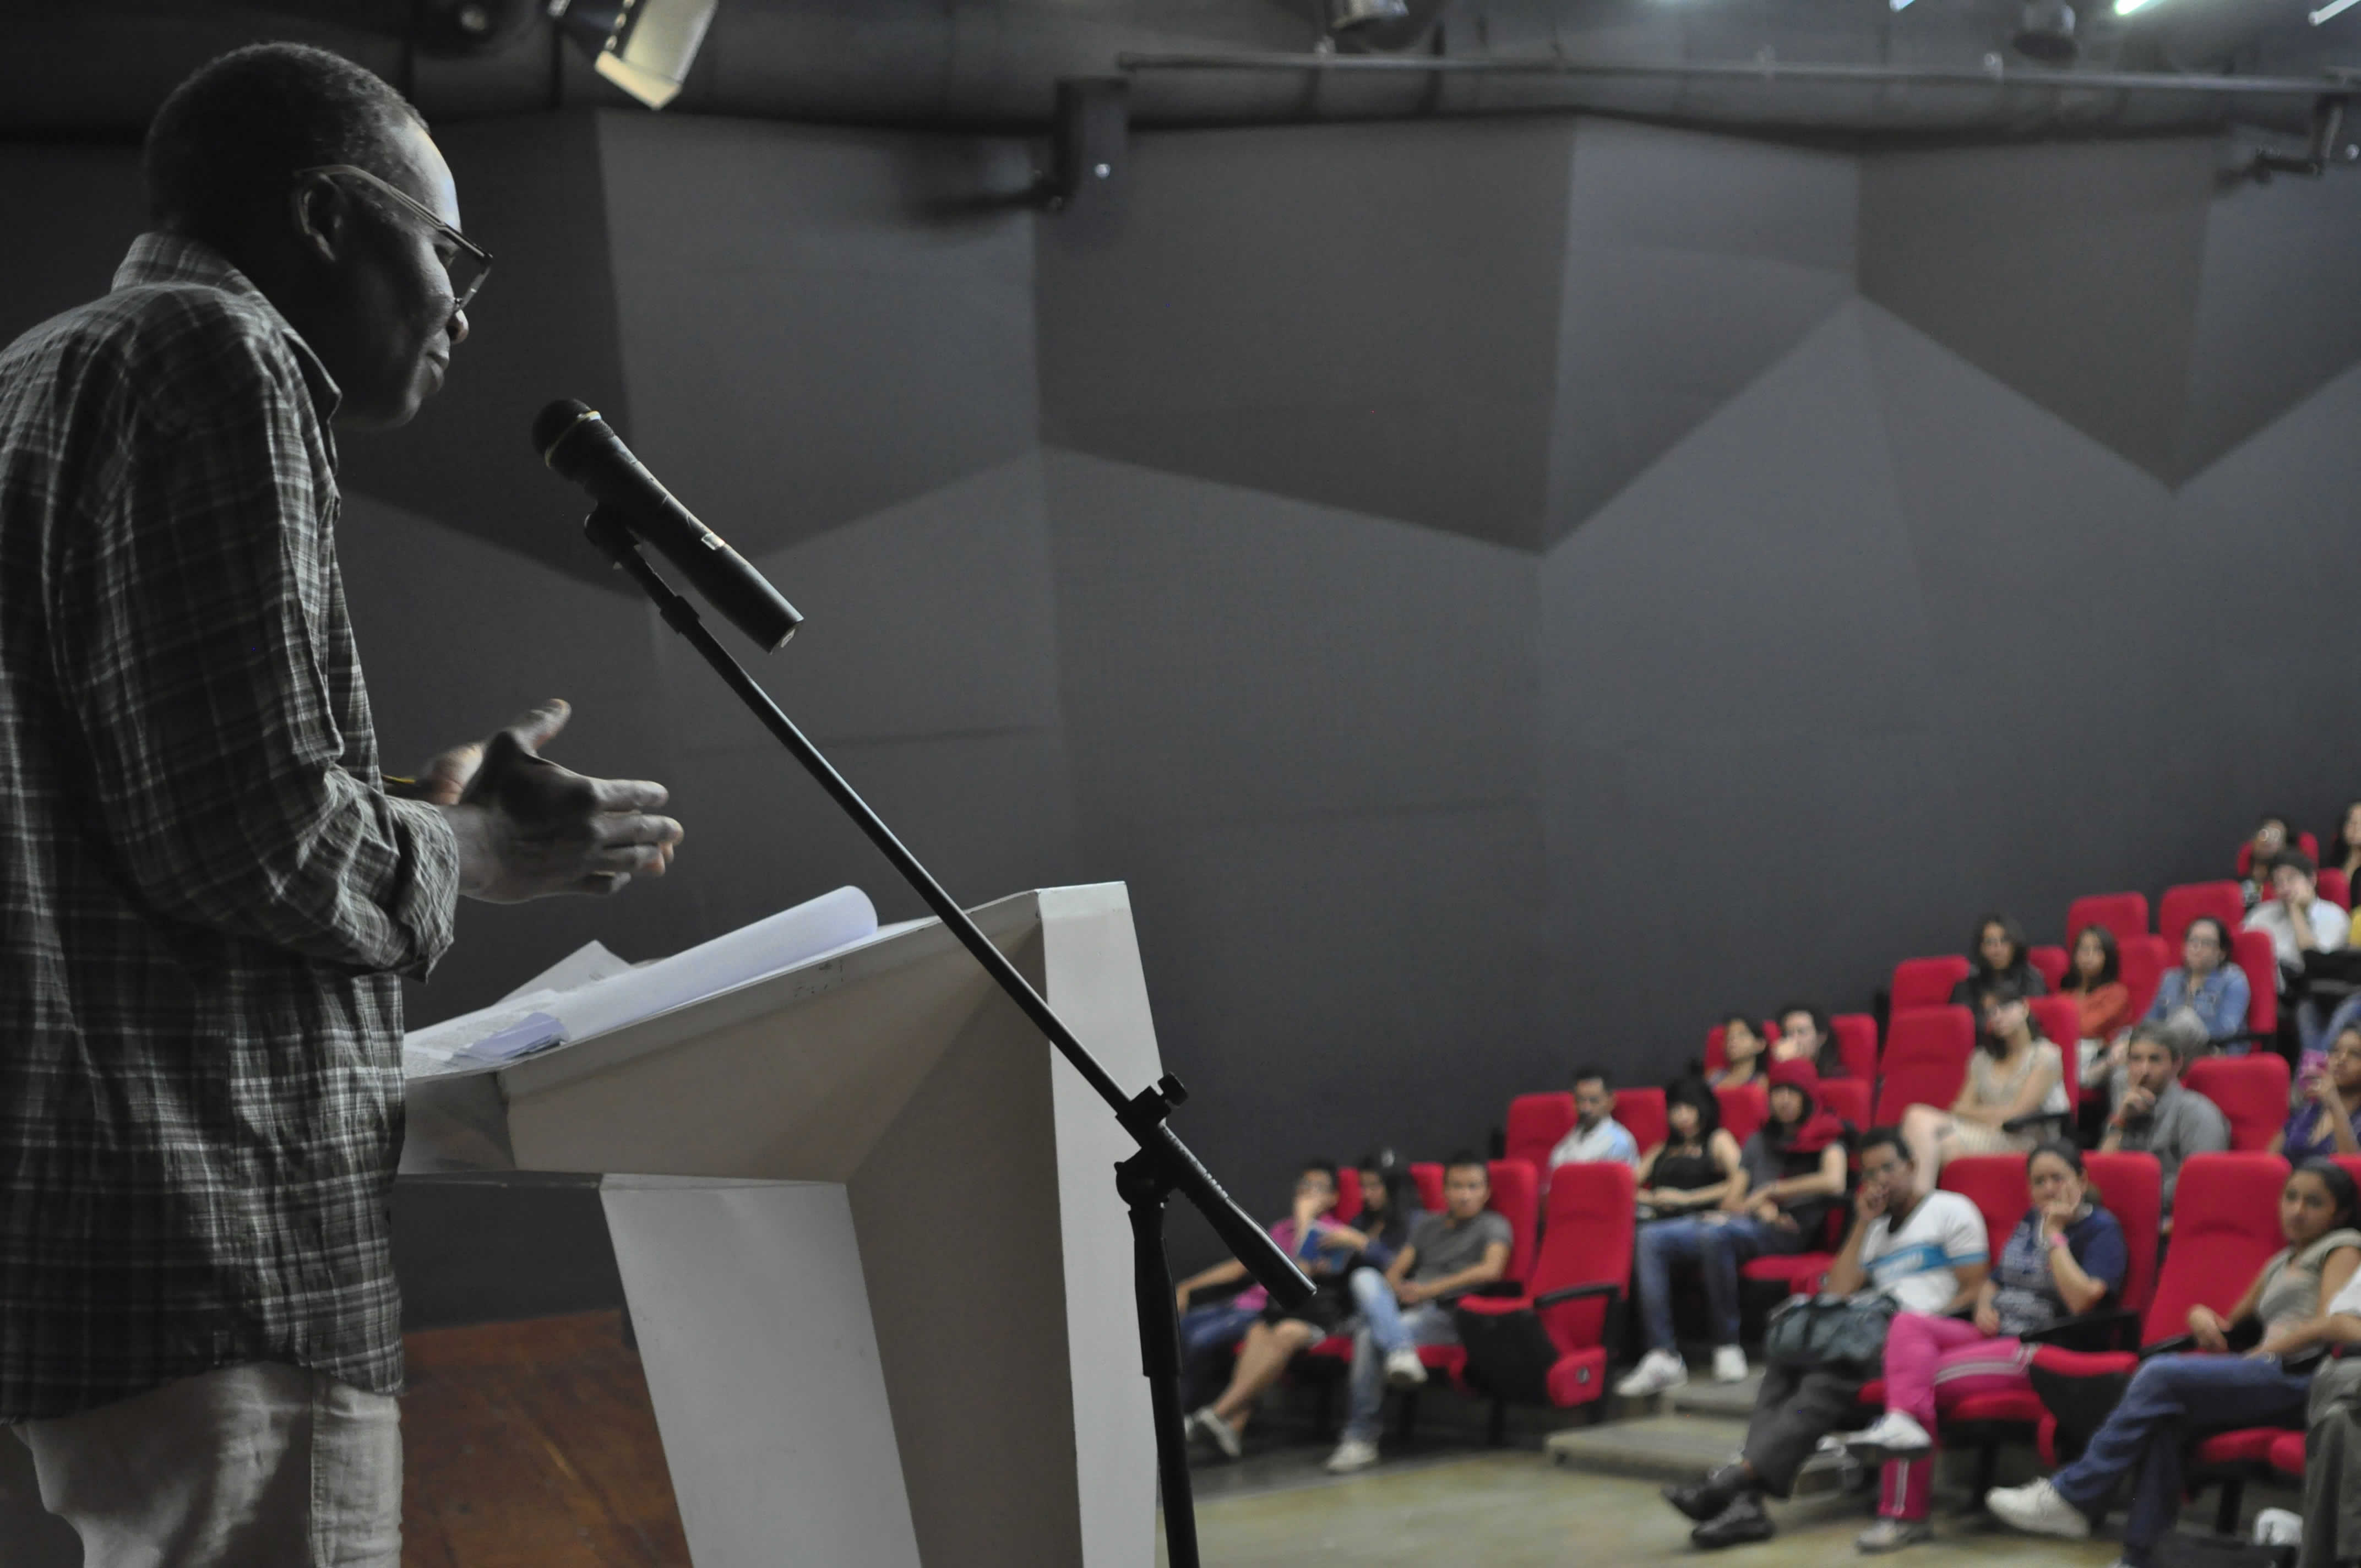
point(2155, 1114)
point(1409, 1305)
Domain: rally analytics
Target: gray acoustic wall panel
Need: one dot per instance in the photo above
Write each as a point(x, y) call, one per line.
point(1692, 263)
point(1359, 315)
point(1304, 738)
point(2069, 270)
point(817, 324)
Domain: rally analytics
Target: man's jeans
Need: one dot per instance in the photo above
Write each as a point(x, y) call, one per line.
point(1385, 1326)
point(2170, 1397)
point(1716, 1244)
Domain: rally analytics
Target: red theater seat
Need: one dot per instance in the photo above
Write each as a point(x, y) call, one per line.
point(2060, 1019)
point(2125, 914)
point(1856, 1036)
point(1536, 1123)
point(2336, 887)
point(1641, 1112)
point(1429, 1177)
point(2050, 963)
point(1926, 1059)
point(1744, 1108)
point(1348, 1195)
point(1550, 1345)
point(1925, 982)
point(2145, 961)
point(2253, 952)
point(2194, 900)
point(2252, 1091)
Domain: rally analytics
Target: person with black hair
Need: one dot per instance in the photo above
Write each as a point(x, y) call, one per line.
point(2273, 832)
point(1269, 1335)
point(2094, 978)
point(1998, 954)
point(1409, 1305)
point(1697, 1165)
point(1791, 1175)
point(1390, 1207)
point(2066, 1256)
point(2173, 1398)
point(2015, 1074)
point(1744, 1053)
point(2295, 916)
point(2344, 849)
point(201, 966)
point(2210, 989)
point(1596, 1135)
point(1918, 1251)
point(2153, 1113)
point(1805, 1037)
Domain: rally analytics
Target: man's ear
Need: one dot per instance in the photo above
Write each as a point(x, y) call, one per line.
point(323, 217)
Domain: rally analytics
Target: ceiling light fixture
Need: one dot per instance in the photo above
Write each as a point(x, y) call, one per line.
point(1343, 16)
point(2331, 8)
point(644, 47)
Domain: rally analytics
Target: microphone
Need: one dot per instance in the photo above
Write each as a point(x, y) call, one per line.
point(576, 442)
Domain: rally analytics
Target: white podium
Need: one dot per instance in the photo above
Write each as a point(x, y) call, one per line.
point(867, 1225)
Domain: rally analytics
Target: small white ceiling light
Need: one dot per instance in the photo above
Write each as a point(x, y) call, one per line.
point(644, 47)
point(2330, 9)
point(1899, 5)
point(2125, 8)
point(1343, 16)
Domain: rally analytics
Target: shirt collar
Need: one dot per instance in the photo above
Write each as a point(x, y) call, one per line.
point(159, 257)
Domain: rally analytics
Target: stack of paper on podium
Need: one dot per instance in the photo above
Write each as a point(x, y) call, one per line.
point(865, 1217)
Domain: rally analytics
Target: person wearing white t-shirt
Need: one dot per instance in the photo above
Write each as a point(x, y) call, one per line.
point(1927, 1252)
point(2332, 1444)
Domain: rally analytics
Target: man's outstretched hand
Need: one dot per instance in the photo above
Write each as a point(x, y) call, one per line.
point(528, 828)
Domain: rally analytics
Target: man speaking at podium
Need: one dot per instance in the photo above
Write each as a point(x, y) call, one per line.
point(207, 890)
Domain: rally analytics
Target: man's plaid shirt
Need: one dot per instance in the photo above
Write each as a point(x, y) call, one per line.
point(206, 892)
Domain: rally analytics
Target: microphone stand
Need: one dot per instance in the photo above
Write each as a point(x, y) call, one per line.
point(1163, 1165)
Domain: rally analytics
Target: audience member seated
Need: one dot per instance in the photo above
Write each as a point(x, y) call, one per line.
point(1697, 1165)
point(2154, 1113)
point(2207, 986)
point(2327, 1116)
point(1409, 1305)
point(1316, 1243)
point(2174, 1397)
point(2299, 921)
point(1388, 1207)
point(1998, 954)
point(2344, 849)
point(1596, 1136)
point(2014, 1073)
point(1743, 1053)
point(2094, 980)
point(2271, 835)
point(2332, 1444)
point(2067, 1256)
point(1791, 1175)
point(1804, 1036)
point(1926, 1252)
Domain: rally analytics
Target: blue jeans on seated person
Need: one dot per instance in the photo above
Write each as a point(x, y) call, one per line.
point(2145, 1433)
point(1385, 1326)
point(1207, 1333)
point(1717, 1244)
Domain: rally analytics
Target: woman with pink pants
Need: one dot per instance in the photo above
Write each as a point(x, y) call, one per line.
point(2067, 1256)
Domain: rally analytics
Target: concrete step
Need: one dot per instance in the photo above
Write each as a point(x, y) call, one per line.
point(1703, 1397)
point(1676, 1447)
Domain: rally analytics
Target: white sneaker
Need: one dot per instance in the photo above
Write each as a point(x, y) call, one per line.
point(1728, 1364)
point(1353, 1454)
point(1658, 1370)
point(2038, 1509)
point(1224, 1435)
point(1893, 1435)
point(1404, 1370)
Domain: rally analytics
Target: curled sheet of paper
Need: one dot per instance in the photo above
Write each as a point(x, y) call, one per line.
point(591, 991)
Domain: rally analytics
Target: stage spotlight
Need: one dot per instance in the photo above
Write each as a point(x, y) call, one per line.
point(644, 47)
point(2045, 32)
point(1343, 16)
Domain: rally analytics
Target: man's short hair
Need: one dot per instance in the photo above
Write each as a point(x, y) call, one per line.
point(1590, 1070)
point(1464, 1158)
point(230, 139)
point(1819, 1019)
point(2156, 1032)
point(1885, 1137)
point(1326, 1168)
point(2296, 858)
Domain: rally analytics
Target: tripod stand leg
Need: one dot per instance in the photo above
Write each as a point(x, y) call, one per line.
point(1143, 1192)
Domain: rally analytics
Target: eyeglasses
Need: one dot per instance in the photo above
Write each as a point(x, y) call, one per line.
point(467, 265)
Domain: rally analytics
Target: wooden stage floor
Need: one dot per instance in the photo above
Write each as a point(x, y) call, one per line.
point(533, 1445)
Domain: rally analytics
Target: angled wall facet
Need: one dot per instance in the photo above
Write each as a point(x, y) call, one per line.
point(817, 324)
point(2070, 272)
point(1362, 316)
point(1692, 263)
